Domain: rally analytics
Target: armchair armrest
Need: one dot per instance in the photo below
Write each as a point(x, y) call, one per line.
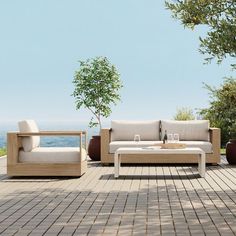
point(48, 133)
point(13, 146)
point(56, 133)
point(52, 133)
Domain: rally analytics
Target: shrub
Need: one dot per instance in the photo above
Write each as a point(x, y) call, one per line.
point(184, 113)
point(222, 109)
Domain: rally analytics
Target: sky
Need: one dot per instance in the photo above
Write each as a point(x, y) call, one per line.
point(158, 60)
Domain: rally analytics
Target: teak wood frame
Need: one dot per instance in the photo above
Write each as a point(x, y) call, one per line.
point(213, 158)
point(16, 168)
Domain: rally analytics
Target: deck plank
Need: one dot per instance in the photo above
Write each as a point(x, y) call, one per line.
point(144, 200)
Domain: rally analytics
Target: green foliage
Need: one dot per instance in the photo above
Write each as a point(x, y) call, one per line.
point(222, 109)
point(3, 151)
point(219, 16)
point(97, 84)
point(184, 113)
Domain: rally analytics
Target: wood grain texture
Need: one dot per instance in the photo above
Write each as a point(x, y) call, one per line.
point(150, 200)
point(15, 168)
point(52, 133)
point(44, 169)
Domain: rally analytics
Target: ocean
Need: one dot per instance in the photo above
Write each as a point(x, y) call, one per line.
point(51, 141)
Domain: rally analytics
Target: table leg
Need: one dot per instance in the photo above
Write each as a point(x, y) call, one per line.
point(119, 161)
point(116, 165)
point(202, 164)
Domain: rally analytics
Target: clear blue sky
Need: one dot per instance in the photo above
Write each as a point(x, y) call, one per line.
point(41, 42)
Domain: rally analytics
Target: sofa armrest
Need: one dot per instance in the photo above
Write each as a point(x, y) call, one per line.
point(105, 136)
point(215, 140)
point(105, 140)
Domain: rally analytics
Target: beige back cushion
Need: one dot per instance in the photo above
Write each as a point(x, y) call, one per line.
point(125, 130)
point(190, 130)
point(32, 142)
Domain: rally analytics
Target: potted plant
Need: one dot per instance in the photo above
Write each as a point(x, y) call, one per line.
point(97, 84)
point(231, 146)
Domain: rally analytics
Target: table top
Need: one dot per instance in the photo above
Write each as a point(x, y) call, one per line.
point(156, 150)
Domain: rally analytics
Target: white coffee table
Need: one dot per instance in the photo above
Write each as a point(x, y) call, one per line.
point(156, 150)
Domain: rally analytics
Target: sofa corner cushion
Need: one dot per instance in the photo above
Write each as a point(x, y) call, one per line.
point(29, 143)
point(125, 130)
point(190, 130)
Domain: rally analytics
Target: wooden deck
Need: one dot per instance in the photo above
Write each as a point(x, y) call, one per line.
point(145, 200)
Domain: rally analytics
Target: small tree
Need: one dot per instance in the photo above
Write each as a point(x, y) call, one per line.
point(97, 84)
point(222, 109)
point(184, 113)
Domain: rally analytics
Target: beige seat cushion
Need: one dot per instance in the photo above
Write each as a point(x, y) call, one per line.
point(32, 142)
point(190, 130)
point(125, 130)
point(204, 145)
point(113, 146)
point(52, 155)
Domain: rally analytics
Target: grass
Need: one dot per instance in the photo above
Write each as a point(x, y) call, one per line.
point(222, 151)
point(3, 151)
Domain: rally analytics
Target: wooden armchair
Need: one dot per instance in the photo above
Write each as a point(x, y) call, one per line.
point(26, 158)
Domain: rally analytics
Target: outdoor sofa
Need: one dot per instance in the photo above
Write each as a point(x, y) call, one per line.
point(25, 157)
point(194, 133)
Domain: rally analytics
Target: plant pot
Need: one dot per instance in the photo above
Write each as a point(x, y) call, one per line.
point(94, 148)
point(231, 151)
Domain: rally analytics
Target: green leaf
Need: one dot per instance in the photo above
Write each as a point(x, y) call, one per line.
point(222, 110)
point(218, 16)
